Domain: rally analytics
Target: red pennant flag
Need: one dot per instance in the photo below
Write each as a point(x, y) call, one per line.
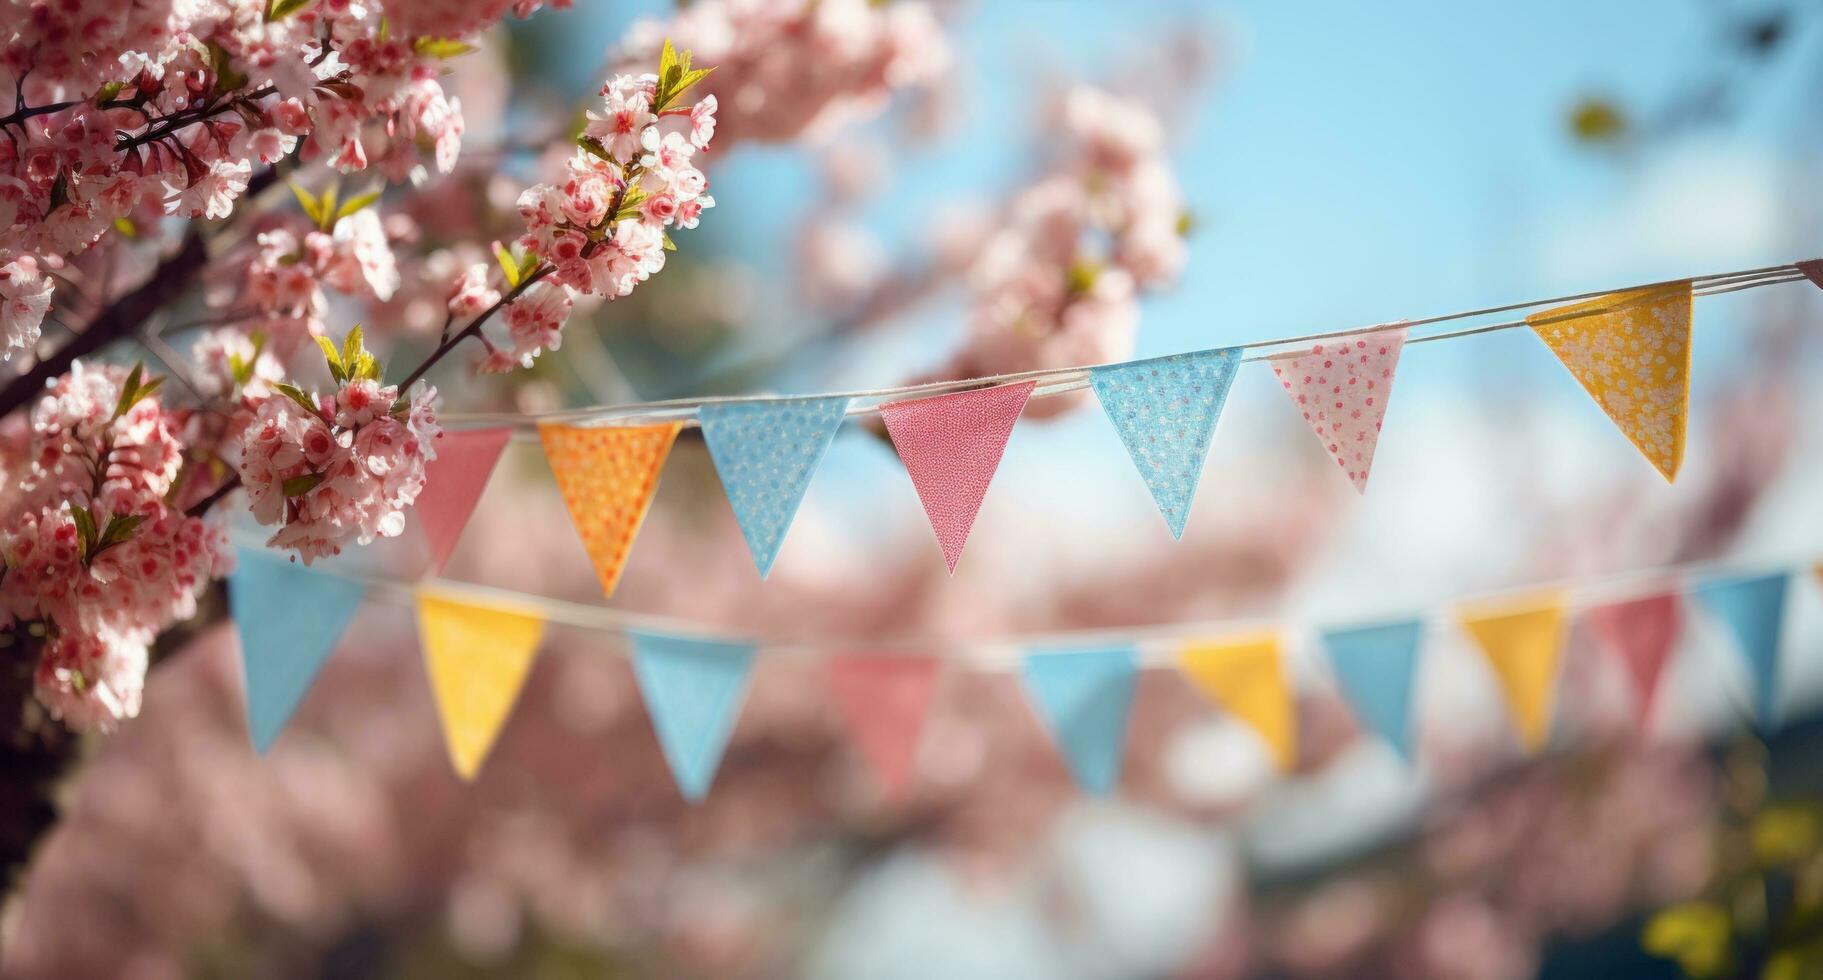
point(452, 486)
point(883, 699)
point(1813, 270)
point(951, 446)
point(1641, 633)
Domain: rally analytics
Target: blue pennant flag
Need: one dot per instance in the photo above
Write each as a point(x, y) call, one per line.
point(1753, 609)
point(1084, 696)
point(1375, 666)
point(766, 452)
point(289, 618)
point(693, 690)
point(1165, 410)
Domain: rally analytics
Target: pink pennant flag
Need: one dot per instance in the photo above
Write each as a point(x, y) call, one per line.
point(1341, 386)
point(883, 699)
point(1813, 270)
point(452, 486)
point(951, 445)
point(1641, 633)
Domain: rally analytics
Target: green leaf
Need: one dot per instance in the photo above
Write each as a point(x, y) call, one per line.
point(1695, 934)
point(120, 528)
point(277, 10)
point(239, 369)
point(593, 147)
point(227, 77)
point(670, 246)
point(352, 347)
point(107, 92)
point(355, 203)
point(313, 209)
point(125, 226)
point(327, 201)
point(297, 486)
point(441, 47)
point(129, 390)
point(85, 528)
point(690, 78)
point(528, 264)
point(60, 190)
point(629, 205)
point(509, 266)
point(296, 394)
point(333, 358)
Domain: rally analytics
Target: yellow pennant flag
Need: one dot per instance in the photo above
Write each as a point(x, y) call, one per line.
point(477, 657)
point(1246, 677)
point(608, 476)
point(1631, 351)
point(1523, 642)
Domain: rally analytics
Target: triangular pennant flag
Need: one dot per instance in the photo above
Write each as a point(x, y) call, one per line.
point(477, 657)
point(1631, 351)
point(1246, 677)
point(951, 446)
point(452, 486)
point(693, 690)
point(1813, 270)
point(1375, 667)
point(289, 618)
point(1165, 410)
point(1084, 697)
point(1641, 632)
point(1753, 609)
point(766, 452)
point(608, 476)
point(1341, 386)
point(883, 700)
point(1523, 643)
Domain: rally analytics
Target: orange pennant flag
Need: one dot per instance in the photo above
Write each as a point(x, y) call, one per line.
point(1246, 677)
point(608, 476)
point(1631, 351)
point(1523, 642)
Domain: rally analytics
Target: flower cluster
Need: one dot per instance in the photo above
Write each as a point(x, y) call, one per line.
point(125, 110)
point(602, 231)
point(1057, 280)
point(342, 467)
point(791, 68)
point(96, 560)
point(342, 246)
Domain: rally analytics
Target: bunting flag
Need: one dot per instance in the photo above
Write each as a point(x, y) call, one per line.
point(1522, 643)
point(1631, 351)
point(477, 657)
point(1165, 411)
point(452, 486)
point(1084, 697)
point(1375, 667)
point(693, 690)
point(1245, 676)
point(1341, 387)
point(1641, 633)
point(766, 452)
point(951, 446)
point(608, 476)
point(289, 619)
point(883, 699)
point(1753, 609)
point(1813, 270)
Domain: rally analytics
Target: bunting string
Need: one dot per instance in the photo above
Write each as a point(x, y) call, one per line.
point(1057, 381)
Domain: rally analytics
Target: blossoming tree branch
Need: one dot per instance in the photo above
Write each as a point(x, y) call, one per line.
point(139, 148)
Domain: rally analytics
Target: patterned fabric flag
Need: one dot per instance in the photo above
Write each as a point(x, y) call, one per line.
point(766, 452)
point(477, 657)
point(1084, 697)
point(1375, 667)
point(1753, 609)
point(452, 486)
point(289, 619)
point(693, 690)
point(883, 700)
point(1641, 633)
point(1631, 351)
point(1165, 410)
point(1341, 387)
point(951, 446)
point(608, 476)
point(1246, 677)
point(1523, 643)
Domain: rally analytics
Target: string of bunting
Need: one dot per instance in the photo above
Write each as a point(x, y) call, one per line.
point(479, 645)
point(1629, 348)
